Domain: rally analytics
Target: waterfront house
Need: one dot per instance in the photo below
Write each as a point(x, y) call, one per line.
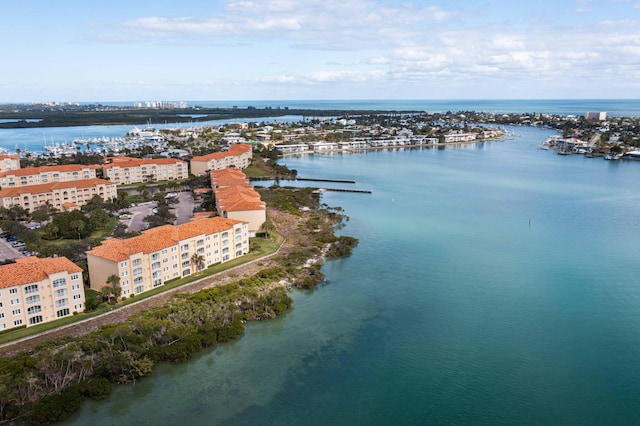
point(166, 252)
point(34, 291)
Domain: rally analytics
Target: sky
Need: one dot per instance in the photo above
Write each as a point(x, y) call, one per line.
point(148, 50)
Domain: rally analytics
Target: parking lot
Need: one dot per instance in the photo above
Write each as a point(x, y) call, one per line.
point(8, 251)
point(183, 210)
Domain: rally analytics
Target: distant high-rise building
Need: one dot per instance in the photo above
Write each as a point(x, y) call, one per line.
point(596, 116)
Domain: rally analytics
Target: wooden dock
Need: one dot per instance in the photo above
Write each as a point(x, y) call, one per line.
point(361, 191)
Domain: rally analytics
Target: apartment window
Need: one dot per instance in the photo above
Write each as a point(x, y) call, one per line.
point(156, 274)
point(238, 230)
point(225, 234)
point(186, 264)
point(59, 282)
point(1, 314)
point(16, 312)
point(124, 264)
point(174, 257)
point(200, 243)
point(238, 253)
point(185, 255)
point(125, 273)
point(164, 251)
point(75, 277)
point(185, 247)
point(136, 262)
point(15, 302)
point(76, 297)
point(225, 258)
point(157, 283)
point(34, 310)
point(17, 322)
point(62, 302)
point(155, 256)
point(31, 288)
point(239, 245)
point(173, 249)
point(125, 283)
point(200, 250)
point(138, 281)
point(137, 271)
point(13, 291)
point(75, 287)
point(63, 312)
point(225, 250)
point(32, 299)
point(3, 326)
point(60, 293)
point(35, 320)
point(139, 289)
point(165, 260)
point(126, 292)
point(77, 307)
point(155, 265)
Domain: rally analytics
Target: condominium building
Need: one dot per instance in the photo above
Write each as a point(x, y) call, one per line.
point(33, 291)
point(238, 156)
point(46, 174)
point(127, 170)
point(9, 162)
point(166, 252)
point(64, 196)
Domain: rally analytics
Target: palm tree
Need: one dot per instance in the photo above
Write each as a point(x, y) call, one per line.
point(197, 260)
point(116, 290)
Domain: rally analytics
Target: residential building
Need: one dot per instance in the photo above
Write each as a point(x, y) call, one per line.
point(9, 162)
point(34, 291)
point(238, 156)
point(127, 170)
point(166, 252)
point(236, 198)
point(46, 174)
point(64, 196)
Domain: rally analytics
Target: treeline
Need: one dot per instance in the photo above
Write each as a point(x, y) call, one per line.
point(59, 118)
point(49, 383)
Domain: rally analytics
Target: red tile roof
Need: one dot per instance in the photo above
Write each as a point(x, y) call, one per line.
point(49, 187)
point(47, 169)
point(234, 150)
point(135, 162)
point(156, 239)
point(32, 269)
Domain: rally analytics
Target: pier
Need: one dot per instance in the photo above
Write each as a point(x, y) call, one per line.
point(362, 191)
point(327, 180)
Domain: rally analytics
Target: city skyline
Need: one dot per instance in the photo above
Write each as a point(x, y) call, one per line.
point(287, 49)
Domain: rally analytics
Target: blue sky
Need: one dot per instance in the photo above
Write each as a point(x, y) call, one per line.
point(85, 51)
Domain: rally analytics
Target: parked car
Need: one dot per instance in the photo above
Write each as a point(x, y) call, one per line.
point(10, 239)
point(17, 244)
point(5, 234)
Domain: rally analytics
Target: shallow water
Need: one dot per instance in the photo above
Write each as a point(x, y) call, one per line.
point(494, 283)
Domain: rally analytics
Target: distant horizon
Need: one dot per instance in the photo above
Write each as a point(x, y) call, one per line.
point(469, 99)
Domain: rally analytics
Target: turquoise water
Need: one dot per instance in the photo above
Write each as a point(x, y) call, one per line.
point(494, 284)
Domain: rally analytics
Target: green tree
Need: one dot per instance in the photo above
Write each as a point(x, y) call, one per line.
point(77, 226)
point(197, 260)
point(114, 282)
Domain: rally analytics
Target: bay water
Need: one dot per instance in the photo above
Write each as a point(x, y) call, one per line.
point(494, 283)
